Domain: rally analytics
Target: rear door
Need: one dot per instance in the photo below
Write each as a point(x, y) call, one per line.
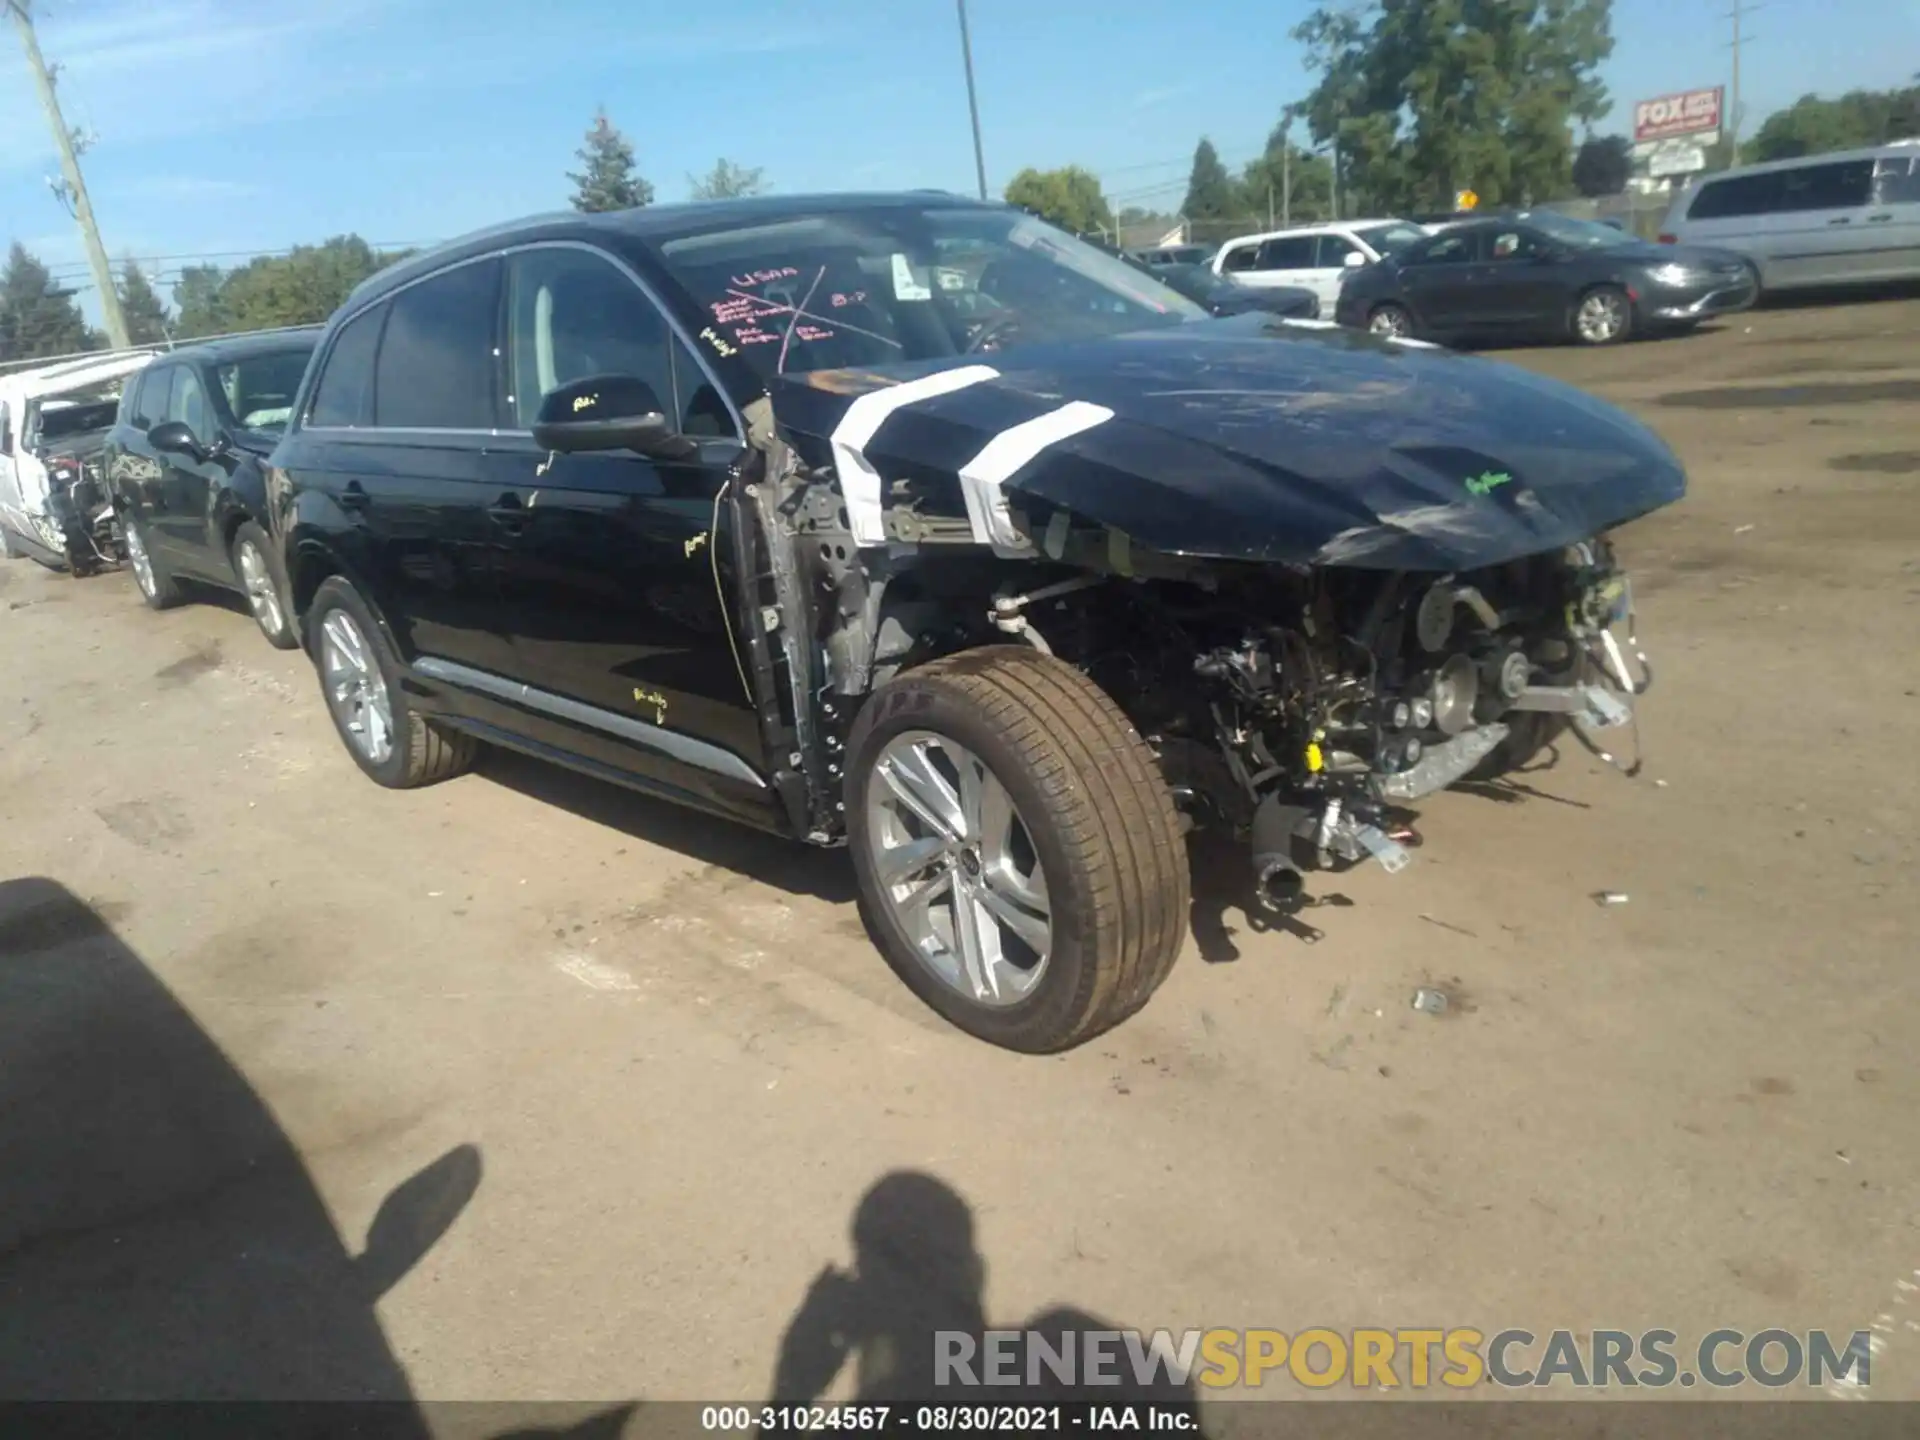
point(400, 434)
point(1438, 280)
point(1893, 220)
point(619, 573)
point(1820, 235)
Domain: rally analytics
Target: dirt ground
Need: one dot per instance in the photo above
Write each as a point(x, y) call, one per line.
point(607, 1082)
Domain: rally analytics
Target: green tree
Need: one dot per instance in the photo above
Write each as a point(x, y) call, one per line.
point(1602, 165)
point(199, 302)
point(607, 179)
point(728, 181)
point(1211, 193)
point(146, 316)
point(1070, 197)
point(1813, 126)
point(1427, 97)
point(1289, 181)
point(37, 316)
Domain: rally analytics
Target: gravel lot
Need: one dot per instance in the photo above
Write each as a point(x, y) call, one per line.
point(624, 1075)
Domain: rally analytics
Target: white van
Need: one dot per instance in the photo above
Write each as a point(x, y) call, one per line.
point(1849, 217)
point(1313, 257)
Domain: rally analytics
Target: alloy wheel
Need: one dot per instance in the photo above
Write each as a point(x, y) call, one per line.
point(958, 868)
point(1602, 316)
point(1389, 321)
point(258, 580)
point(137, 557)
point(356, 690)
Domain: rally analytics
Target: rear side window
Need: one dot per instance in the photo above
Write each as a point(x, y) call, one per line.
point(1241, 258)
point(1453, 249)
point(344, 393)
point(1739, 195)
point(1294, 252)
point(437, 368)
point(1840, 186)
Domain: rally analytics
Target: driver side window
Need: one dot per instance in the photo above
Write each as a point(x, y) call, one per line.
point(572, 313)
point(187, 403)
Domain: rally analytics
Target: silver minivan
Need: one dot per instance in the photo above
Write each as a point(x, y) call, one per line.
point(1850, 217)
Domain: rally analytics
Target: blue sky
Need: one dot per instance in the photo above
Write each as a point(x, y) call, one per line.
point(248, 125)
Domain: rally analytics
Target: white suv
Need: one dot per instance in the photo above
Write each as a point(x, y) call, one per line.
point(1313, 257)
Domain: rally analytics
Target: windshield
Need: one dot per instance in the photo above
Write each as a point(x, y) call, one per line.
point(1581, 234)
point(896, 285)
point(61, 422)
point(1392, 239)
point(259, 389)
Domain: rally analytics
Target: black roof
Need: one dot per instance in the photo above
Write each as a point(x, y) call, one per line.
point(239, 347)
point(654, 222)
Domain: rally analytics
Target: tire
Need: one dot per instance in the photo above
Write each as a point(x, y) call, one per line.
point(360, 682)
point(7, 548)
point(1087, 810)
point(260, 580)
point(1759, 286)
point(158, 589)
point(1615, 300)
point(1391, 321)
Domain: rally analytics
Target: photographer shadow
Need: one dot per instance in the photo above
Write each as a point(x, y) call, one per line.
point(912, 1303)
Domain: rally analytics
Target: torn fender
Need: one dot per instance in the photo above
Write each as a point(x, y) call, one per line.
point(1245, 439)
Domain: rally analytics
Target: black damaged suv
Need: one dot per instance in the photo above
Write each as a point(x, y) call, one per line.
point(914, 525)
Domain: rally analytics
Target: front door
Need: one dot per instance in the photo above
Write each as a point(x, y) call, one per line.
point(619, 574)
point(1517, 285)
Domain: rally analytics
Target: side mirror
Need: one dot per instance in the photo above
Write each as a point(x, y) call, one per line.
point(173, 437)
point(1354, 260)
point(608, 412)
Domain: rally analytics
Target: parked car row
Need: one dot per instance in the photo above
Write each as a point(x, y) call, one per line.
point(912, 525)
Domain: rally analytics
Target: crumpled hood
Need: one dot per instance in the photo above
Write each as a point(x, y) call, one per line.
point(1255, 439)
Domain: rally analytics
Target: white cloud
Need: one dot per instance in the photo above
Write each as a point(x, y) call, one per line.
point(1159, 95)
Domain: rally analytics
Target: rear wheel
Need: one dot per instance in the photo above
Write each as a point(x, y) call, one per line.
point(1394, 322)
point(360, 678)
point(1020, 862)
point(1602, 316)
point(259, 581)
point(157, 585)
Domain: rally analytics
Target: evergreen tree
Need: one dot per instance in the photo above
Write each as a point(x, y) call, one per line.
point(726, 181)
point(38, 317)
point(146, 316)
point(1210, 190)
point(608, 180)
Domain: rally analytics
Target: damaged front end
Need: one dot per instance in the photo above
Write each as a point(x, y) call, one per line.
point(79, 520)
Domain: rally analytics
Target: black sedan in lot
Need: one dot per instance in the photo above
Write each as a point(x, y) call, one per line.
point(183, 464)
point(1544, 276)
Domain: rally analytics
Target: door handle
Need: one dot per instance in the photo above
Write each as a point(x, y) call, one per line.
point(509, 511)
point(353, 497)
point(1878, 219)
point(1841, 220)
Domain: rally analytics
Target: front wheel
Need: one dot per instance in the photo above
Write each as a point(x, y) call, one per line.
point(1603, 316)
point(259, 581)
point(1020, 861)
point(1392, 322)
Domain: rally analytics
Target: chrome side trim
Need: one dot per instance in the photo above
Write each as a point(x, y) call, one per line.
point(684, 748)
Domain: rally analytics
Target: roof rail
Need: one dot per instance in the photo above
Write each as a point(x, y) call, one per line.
point(89, 357)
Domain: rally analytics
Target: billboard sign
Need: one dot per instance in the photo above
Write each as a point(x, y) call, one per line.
point(1691, 113)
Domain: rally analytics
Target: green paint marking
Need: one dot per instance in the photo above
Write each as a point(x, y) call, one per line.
point(1485, 484)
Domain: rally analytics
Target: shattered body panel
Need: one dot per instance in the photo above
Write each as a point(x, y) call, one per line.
point(1265, 441)
point(52, 492)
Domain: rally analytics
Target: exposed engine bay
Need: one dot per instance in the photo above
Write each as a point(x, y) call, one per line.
point(79, 511)
point(1303, 708)
point(54, 423)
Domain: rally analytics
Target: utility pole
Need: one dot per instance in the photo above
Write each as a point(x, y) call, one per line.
point(1336, 178)
point(77, 187)
point(1286, 179)
point(1737, 14)
point(973, 102)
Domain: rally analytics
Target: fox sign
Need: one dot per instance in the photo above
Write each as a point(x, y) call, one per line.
point(1692, 112)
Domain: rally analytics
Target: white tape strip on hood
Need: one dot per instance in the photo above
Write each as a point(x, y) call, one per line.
point(860, 484)
point(982, 478)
